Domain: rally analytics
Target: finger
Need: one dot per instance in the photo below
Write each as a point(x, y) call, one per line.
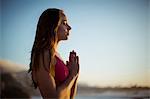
point(75, 60)
point(67, 63)
point(73, 52)
point(72, 57)
point(78, 60)
point(78, 63)
point(78, 69)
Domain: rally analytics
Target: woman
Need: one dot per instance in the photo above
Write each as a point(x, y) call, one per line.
point(49, 73)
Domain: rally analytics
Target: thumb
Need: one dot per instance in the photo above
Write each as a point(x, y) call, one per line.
point(67, 63)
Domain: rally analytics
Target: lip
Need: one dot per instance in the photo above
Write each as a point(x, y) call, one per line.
point(67, 33)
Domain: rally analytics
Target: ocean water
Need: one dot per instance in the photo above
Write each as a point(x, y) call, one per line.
point(108, 97)
point(143, 94)
point(101, 97)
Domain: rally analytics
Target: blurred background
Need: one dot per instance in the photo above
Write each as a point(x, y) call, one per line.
point(111, 37)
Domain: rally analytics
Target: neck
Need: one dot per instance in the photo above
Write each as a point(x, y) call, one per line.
point(56, 47)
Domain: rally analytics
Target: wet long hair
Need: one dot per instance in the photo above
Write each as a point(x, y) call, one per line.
point(45, 39)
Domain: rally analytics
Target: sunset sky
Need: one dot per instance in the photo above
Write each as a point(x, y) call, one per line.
point(111, 37)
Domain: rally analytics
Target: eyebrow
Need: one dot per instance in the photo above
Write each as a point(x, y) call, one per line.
point(65, 20)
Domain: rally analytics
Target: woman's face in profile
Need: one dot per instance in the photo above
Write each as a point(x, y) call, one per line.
point(63, 28)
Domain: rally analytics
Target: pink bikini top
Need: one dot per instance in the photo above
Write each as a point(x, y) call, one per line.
point(61, 71)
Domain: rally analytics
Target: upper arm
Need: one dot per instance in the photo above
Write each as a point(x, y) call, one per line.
point(46, 83)
point(45, 80)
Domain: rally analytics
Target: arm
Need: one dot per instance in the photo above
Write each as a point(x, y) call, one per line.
point(46, 82)
point(74, 89)
point(47, 86)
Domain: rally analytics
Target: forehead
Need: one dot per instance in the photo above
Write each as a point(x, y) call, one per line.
point(63, 16)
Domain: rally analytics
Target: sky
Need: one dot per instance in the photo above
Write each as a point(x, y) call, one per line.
point(111, 37)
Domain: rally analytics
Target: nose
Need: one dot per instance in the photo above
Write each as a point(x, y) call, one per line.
point(69, 27)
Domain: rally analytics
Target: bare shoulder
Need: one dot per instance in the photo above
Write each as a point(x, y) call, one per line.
point(45, 63)
point(53, 61)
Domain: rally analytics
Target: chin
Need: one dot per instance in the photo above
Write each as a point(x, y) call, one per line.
point(65, 38)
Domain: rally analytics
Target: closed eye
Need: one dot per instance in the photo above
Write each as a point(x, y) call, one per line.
point(65, 22)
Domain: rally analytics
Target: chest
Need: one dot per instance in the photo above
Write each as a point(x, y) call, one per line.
point(61, 71)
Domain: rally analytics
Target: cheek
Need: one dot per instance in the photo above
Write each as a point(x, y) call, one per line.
point(61, 29)
point(61, 32)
